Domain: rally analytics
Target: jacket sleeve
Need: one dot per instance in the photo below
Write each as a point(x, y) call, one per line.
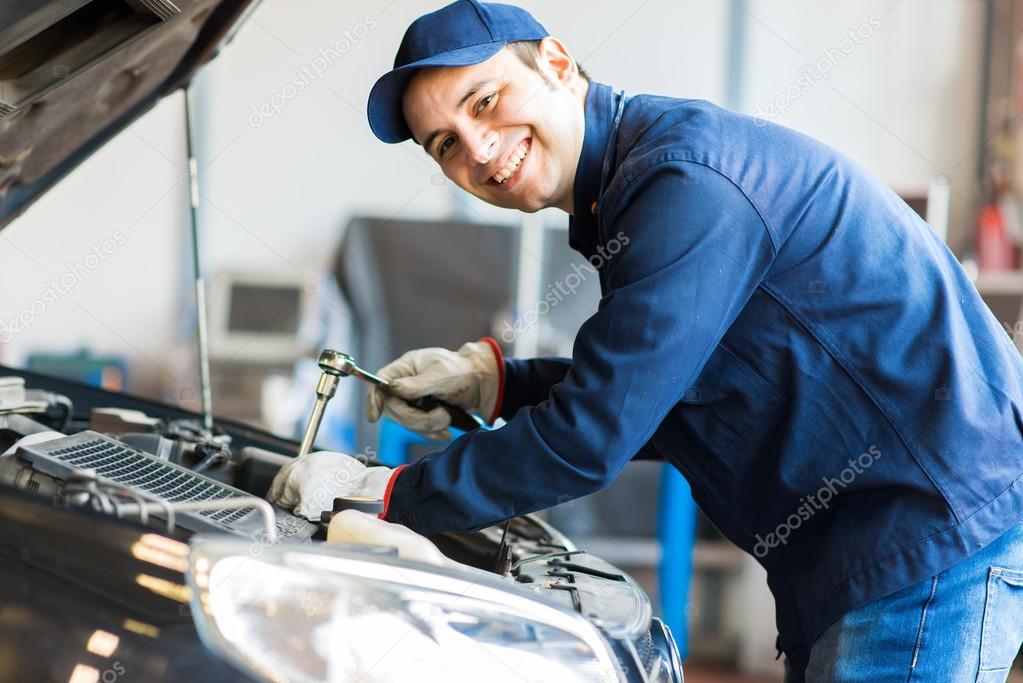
point(527, 382)
point(692, 251)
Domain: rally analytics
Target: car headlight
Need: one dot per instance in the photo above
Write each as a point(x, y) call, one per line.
point(301, 614)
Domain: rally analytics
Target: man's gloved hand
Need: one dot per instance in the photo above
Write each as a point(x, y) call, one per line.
point(469, 378)
point(310, 484)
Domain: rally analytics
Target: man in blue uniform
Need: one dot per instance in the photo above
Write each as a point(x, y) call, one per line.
point(775, 323)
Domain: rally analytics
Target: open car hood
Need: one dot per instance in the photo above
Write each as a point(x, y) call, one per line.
point(74, 73)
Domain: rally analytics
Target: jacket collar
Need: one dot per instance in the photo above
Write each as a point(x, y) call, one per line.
point(600, 114)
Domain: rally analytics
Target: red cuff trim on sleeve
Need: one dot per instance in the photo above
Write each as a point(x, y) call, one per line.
point(387, 491)
point(500, 377)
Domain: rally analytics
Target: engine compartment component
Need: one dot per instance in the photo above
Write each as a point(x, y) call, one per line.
point(107, 474)
point(90, 466)
point(352, 527)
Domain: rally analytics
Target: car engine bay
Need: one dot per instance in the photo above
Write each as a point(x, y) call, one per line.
point(118, 460)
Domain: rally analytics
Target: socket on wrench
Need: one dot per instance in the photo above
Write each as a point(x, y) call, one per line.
point(336, 365)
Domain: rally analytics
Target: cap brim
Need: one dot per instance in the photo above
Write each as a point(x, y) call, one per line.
point(384, 109)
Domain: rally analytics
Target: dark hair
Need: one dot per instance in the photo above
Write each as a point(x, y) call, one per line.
point(527, 51)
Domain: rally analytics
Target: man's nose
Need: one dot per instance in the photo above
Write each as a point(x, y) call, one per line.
point(482, 146)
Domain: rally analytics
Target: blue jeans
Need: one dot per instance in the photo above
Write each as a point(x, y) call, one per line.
point(963, 625)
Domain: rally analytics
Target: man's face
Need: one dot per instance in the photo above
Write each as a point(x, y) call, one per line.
point(500, 130)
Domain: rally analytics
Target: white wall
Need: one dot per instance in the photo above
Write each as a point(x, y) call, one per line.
point(904, 101)
point(282, 189)
point(109, 235)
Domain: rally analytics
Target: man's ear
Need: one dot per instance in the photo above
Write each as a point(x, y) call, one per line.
point(556, 60)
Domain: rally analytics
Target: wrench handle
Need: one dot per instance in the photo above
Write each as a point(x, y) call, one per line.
point(460, 418)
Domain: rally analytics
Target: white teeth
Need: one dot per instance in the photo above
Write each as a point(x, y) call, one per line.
point(513, 163)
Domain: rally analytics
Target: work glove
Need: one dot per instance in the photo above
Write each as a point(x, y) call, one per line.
point(469, 378)
point(310, 483)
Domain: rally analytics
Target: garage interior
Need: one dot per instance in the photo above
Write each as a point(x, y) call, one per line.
point(314, 236)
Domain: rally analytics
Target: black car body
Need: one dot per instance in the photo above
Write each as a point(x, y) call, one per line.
point(81, 594)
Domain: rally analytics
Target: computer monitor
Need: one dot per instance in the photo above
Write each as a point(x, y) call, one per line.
point(258, 317)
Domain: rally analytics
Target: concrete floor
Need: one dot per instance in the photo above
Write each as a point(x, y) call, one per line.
point(706, 673)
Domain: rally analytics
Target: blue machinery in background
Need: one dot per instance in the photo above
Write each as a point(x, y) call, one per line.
point(676, 528)
point(395, 441)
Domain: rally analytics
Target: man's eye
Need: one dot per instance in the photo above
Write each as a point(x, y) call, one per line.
point(484, 103)
point(445, 145)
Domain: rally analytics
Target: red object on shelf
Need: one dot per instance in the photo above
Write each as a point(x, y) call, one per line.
point(995, 251)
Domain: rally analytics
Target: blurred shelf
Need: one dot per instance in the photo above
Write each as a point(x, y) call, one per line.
point(719, 555)
point(629, 551)
point(1000, 282)
point(625, 551)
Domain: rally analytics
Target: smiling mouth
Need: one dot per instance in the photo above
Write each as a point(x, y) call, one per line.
point(514, 163)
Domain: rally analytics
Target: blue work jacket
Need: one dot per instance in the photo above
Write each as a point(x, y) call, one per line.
point(783, 329)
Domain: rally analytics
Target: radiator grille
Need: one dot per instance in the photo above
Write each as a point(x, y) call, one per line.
point(131, 468)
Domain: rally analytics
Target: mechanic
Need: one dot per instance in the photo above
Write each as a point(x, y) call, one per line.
point(775, 323)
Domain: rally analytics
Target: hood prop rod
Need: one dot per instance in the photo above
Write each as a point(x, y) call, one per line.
point(202, 334)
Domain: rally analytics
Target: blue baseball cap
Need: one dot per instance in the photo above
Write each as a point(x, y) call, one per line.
point(460, 34)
